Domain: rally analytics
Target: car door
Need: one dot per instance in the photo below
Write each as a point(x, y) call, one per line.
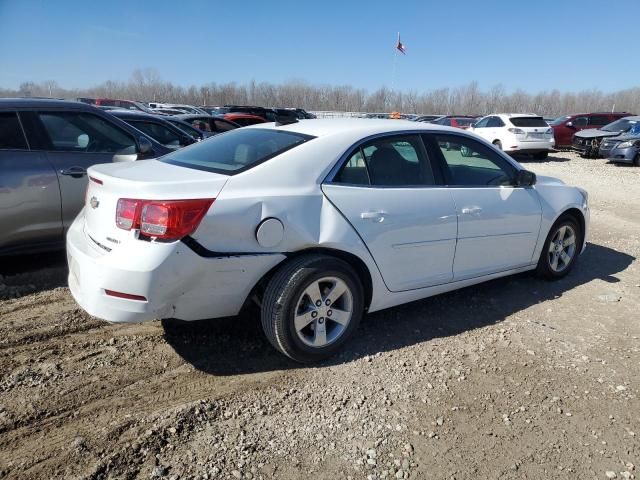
point(74, 140)
point(29, 193)
point(388, 191)
point(498, 223)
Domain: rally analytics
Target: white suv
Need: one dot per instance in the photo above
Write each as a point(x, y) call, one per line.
point(517, 133)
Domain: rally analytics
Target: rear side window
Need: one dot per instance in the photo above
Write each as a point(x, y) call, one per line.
point(158, 132)
point(528, 122)
point(398, 161)
point(599, 120)
point(237, 150)
point(11, 136)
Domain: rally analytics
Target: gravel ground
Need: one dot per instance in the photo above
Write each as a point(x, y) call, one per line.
point(515, 378)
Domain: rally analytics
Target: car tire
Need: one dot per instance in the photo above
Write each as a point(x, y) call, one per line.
point(541, 155)
point(553, 262)
point(498, 144)
point(294, 322)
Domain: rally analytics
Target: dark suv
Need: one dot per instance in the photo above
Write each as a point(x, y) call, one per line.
point(46, 147)
point(565, 127)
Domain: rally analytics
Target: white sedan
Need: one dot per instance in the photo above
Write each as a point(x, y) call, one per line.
point(317, 222)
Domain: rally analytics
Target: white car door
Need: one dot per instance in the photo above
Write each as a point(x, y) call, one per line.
point(481, 128)
point(387, 190)
point(498, 223)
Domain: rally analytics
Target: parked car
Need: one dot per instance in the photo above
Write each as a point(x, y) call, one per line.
point(188, 128)
point(267, 113)
point(565, 127)
point(301, 218)
point(458, 121)
point(301, 113)
point(243, 119)
point(208, 123)
point(426, 118)
point(176, 106)
point(516, 133)
point(156, 127)
point(46, 147)
point(126, 104)
point(623, 149)
point(587, 142)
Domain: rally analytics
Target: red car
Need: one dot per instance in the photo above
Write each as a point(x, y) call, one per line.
point(568, 125)
point(243, 119)
point(458, 121)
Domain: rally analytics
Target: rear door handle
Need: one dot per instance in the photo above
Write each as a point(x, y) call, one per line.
point(471, 210)
point(75, 172)
point(375, 216)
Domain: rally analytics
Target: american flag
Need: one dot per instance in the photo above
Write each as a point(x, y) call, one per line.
point(400, 46)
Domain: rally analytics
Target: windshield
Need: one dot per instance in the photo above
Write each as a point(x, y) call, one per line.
point(236, 150)
point(621, 125)
point(560, 120)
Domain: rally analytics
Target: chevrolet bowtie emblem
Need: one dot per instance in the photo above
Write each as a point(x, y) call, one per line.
point(94, 202)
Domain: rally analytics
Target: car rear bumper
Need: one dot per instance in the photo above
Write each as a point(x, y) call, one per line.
point(172, 279)
point(515, 146)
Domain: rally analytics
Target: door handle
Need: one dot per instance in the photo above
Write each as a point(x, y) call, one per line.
point(471, 210)
point(375, 216)
point(75, 172)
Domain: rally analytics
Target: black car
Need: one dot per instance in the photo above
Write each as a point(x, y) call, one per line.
point(46, 147)
point(156, 127)
point(208, 123)
point(587, 142)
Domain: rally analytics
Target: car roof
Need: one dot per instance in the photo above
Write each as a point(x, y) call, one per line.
point(43, 103)
point(190, 116)
point(359, 127)
point(135, 113)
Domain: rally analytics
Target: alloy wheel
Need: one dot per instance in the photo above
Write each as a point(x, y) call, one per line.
point(562, 248)
point(323, 312)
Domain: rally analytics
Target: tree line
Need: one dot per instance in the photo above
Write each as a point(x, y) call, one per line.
point(146, 85)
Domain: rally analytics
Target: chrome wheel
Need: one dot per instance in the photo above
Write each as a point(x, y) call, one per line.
point(323, 311)
point(562, 248)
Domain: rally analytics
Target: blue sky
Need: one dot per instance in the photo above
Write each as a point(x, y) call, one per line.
point(533, 45)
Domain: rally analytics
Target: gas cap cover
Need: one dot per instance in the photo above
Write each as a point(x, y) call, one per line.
point(270, 232)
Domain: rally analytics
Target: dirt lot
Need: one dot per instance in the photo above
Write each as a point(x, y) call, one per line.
point(516, 378)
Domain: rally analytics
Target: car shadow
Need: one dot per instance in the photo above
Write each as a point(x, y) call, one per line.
point(236, 345)
point(554, 157)
point(25, 274)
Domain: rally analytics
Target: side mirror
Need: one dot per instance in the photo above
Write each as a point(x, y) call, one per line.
point(525, 178)
point(144, 145)
point(569, 124)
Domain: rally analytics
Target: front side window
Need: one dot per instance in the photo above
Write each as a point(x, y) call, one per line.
point(11, 136)
point(388, 161)
point(579, 122)
point(237, 150)
point(84, 132)
point(482, 123)
point(469, 163)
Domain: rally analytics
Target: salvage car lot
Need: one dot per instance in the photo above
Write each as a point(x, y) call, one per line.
point(516, 378)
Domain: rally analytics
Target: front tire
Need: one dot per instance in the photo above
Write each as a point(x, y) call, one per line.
point(561, 249)
point(311, 306)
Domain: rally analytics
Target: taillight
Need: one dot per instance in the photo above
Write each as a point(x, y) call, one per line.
point(517, 131)
point(162, 219)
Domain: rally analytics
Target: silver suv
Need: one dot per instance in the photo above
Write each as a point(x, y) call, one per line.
point(46, 147)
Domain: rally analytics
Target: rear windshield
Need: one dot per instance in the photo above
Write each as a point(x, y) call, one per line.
point(237, 150)
point(528, 122)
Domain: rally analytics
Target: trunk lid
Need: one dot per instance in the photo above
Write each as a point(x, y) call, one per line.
point(148, 180)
